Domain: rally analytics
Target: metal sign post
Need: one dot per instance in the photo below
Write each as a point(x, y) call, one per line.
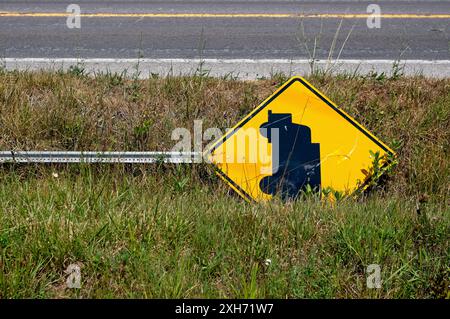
point(98, 157)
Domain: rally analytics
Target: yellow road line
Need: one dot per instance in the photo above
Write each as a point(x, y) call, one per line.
point(227, 15)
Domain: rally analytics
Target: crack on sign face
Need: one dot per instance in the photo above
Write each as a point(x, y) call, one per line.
point(345, 157)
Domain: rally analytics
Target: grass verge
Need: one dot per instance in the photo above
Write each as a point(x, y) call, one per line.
point(150, 231)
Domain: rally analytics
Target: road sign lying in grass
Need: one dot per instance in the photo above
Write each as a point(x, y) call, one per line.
point(297, 141)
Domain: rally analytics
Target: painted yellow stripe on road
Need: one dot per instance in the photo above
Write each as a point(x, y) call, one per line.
point(227, 15)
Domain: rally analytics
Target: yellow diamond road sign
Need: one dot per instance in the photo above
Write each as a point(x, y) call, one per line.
point(296, 140)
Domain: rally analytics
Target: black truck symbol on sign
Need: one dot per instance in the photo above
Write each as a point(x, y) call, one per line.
point(298, 161)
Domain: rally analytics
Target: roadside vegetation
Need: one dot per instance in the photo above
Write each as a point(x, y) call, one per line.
point(160, 231)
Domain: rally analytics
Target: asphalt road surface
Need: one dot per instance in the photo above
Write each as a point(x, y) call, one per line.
point(224, 37)
point(221, 29)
